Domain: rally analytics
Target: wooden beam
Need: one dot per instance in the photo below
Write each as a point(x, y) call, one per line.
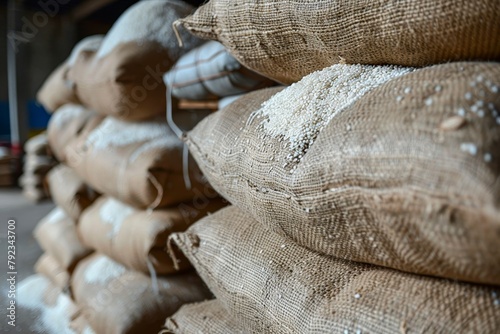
point(88, 7)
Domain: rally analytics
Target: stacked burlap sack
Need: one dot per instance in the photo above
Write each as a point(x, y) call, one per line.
point(366, 196)
point(38, 162)
point(124, 183)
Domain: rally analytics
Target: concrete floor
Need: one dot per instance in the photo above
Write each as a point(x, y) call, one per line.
point(26, 214)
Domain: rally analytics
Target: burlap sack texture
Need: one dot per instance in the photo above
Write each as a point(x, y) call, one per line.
point(69, 192)
point(57, 235)
point(116, 301)
point(135, 237)
point(124, 78)
point(272, 285)
point(48, 266)
point(58, 89)
point(138, 163)
point(208, 317)
point(66, 124)
point(286, 40)
point(210, 72)
point(407, 177)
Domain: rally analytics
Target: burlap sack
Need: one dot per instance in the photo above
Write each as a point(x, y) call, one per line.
point(57, 235)
point(137, 163)
point(37, 145)
point(116, 301)
point(406, 177)
point(31, 180)
point(65, 125)
point(58, 90)
point(124, 78)
point(272, 285)
point(48, 266)
point(39, 165)
point(286, 40)
point(136, 238)
point(206, 317)
point(69, 192)
point(79, 325)
point(209, 72)
point(34, 194)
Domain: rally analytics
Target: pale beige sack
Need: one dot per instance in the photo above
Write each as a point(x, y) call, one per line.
point(69, 192)
point(124, 77)
point(140, 164)
point(208, 317)
point(48, 266)
point(405, 176)
point(57, 235)
point(272, 285)
point(286, 40)
point(65, 125)
point(137, 238)
point(58, 90)
point(115, 300)
point(37, 145)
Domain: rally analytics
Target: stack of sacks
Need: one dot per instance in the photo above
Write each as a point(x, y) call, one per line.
point(209, 72)
point(116, 142)
point(123, 78)
point(58, 237)
point(38, 162)
point(365, 197)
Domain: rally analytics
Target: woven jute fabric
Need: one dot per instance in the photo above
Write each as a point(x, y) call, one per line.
point(406, 177)
point(57, 235)
point(286, 40)
point(126, 82)
point(69, 192)
point(117, 301)
point(66, 124)
point(137, 163)
point(48, 266)
point(135, 237)
point(272, 285)
point(208, 72)
point(208, 317)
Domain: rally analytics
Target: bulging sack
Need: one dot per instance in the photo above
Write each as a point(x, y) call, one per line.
point(57, 235)
point(136, 238)
point(117, 301)
point(271, 285)
point(286, 40)
point(65, 125)
point(37, 145)
point(405, 176)
point(207, 317)
point(58, 90)
point(139, 163)
point(124, 77)
point(48, 266)
point(209, 72)
point(69, 192)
